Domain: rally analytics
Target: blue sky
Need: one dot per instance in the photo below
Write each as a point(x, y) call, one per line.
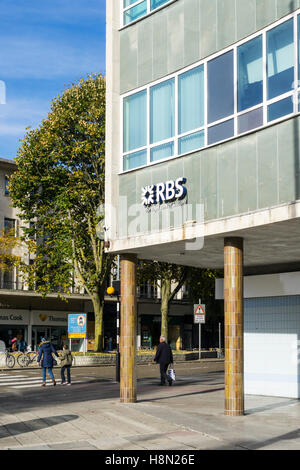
point(44, 46)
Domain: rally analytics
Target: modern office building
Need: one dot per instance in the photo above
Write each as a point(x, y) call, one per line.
point(203, 163)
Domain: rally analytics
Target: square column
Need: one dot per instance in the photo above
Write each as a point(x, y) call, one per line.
point(128, 329)
point(234, 328)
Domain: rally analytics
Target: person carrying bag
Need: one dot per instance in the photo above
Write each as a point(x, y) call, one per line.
point(164, 357)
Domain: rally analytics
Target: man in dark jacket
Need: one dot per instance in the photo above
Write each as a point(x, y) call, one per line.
point(46, 360)
point(164, 357)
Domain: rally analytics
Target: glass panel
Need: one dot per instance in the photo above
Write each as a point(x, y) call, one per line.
point(135, 121)
point(9, 226)
point(220, 87)
point(191, 100)
point(134, 160)
point(129, 2)
point(280, 108)
point(135, 12)
point(157, 3)
point(222, 131)
point(162, 111)
point(250, 120)
point(162, 151)
point(191, 142)
point(280, 59)
point(250, 74)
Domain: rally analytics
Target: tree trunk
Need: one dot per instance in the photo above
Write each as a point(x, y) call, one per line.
point(165, 296)
point(98, 305)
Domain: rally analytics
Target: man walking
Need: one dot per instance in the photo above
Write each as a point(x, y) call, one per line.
point(164, 357)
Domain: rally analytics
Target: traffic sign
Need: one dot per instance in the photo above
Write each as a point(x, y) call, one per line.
point(199, 318)
point(199, 309)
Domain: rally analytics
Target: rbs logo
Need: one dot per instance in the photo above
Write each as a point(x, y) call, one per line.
point(164, 192)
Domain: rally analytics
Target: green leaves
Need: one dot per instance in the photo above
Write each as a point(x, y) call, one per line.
point(59, 185)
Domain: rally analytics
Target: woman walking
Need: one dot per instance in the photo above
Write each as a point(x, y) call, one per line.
point(66, 363)
point(46, 360)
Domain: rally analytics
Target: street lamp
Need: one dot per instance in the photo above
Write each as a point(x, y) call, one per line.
point(111, 291)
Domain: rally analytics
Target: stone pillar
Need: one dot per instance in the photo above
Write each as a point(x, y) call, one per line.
point(128, 329)
point(234, 328)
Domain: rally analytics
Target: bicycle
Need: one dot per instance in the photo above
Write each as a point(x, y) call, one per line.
point(9, 359)
point(26, 358)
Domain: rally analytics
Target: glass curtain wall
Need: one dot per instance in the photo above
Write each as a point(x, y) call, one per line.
point(212, 101)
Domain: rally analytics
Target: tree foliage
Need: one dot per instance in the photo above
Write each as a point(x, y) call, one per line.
point(58, 188)
point(170, 278)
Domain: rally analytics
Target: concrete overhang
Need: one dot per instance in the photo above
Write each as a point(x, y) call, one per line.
point(271, 241)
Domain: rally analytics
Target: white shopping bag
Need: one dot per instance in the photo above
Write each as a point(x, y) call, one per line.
point(171, 374)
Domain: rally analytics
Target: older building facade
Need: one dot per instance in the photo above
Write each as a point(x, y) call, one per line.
point(203, 144)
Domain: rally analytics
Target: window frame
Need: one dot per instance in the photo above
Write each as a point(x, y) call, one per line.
point(292, 93)
point(136, 3)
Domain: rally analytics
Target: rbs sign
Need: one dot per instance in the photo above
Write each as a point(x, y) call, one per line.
point(164, 192)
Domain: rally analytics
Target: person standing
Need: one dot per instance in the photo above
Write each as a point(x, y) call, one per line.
point(66, 363)
point(164, 357)
point(46, 360)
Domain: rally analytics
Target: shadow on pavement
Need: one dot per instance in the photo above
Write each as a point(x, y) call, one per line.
point(200, 392)
point(13, 429)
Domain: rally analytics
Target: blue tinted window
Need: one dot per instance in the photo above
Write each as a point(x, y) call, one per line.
point(220, 87)
point(222, 131)
point(280, 59)
point(135, 12)
point(162, 111)
point(251, 120)
point(191, 99)
point(162, 151)
point(191, 142)
point(157, 3)
point(250, 74)
point(127, 3)
point(134, 160)
point(280, 109)
point(135, 121)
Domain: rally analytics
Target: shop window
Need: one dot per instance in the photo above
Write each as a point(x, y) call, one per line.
point(280, 59)
point(191, 100)
point(135, 121)
point(280, 109)
point(222, 131)
point(162, 111)
point(250, 74)
point(220, 87)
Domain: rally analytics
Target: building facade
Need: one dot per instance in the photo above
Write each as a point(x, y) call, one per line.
point(203, 144)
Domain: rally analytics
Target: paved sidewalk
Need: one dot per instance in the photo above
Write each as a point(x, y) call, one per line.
point(187, 416)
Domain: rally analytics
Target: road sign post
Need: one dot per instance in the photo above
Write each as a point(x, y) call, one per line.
point(199, 317)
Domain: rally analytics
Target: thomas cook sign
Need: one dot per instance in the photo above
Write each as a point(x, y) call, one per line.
point(170, 191)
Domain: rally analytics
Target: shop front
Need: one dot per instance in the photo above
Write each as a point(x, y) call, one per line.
point(13, 324)
point(50, 325)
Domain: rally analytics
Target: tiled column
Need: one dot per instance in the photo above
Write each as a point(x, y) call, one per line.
point(128, 329)
point(234, 330)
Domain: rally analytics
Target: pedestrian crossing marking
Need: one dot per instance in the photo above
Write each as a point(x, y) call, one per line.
point(25, 381)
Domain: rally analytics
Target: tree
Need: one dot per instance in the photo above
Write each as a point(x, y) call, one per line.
point(9, 256)
point(58, 188)
point(170, 278)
